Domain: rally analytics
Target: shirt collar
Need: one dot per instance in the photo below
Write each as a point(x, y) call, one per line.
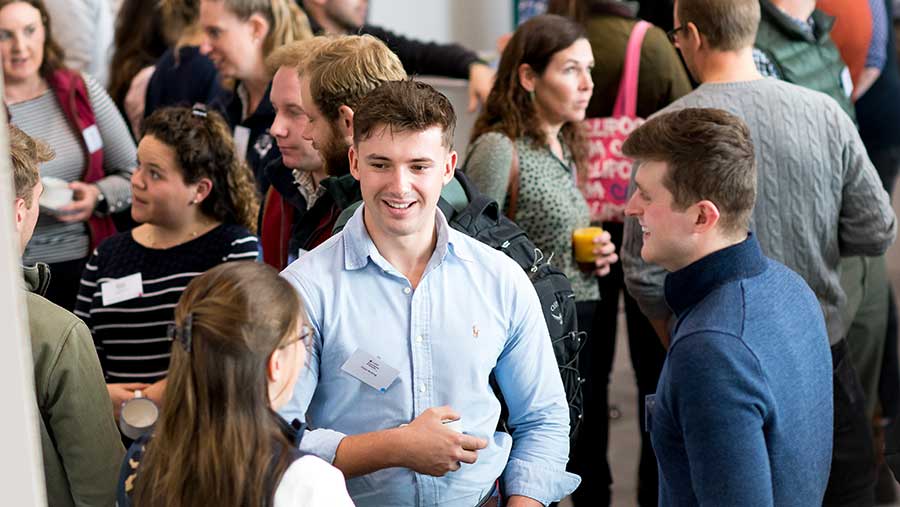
point(307, 187)
point(688, 286)
point(359, 247)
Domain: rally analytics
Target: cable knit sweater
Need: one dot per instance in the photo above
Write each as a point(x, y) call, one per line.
point(818, 196)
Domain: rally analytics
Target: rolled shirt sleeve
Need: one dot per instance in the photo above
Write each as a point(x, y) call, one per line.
point(538, 411)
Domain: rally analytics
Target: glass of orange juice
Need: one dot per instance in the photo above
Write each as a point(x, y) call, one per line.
point(583, 247)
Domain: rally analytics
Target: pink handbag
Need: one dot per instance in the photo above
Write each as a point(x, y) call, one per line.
point(606, 184)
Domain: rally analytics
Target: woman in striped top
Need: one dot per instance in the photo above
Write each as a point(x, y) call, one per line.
point(72, 113)
point(196, 204)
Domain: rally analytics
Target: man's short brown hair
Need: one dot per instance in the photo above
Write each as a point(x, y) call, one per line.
point(26, 154)
point(727, 25)
point(404, 106)
point(344, 69)
point(709, 153)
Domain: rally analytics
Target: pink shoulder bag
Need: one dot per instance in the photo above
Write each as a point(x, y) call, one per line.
point(606, 184)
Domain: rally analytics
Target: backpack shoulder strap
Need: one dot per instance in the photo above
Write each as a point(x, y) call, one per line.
point(455, 195)
point(344, 217)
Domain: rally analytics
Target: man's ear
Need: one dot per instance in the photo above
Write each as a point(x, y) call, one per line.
point(345, 123)
point(527, 76)
point(692, 37)
point(354, 161)
point(20, 211)
point(707, 216)
point(450, 166)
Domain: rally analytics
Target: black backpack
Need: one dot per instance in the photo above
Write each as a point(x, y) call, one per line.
point(476, 215)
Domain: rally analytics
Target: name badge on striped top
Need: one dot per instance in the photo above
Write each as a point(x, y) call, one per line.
point(122, 289)
point(92, 138)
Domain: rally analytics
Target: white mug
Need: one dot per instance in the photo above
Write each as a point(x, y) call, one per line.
point(138, 416)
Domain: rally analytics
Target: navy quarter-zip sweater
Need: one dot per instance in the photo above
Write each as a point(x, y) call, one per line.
point(743, 410)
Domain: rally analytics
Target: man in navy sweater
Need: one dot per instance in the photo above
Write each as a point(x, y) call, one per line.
point(743, 410)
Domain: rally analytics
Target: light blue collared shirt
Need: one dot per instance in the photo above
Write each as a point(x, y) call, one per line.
point(473, 311)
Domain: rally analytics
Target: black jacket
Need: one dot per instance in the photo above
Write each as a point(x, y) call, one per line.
point(308, 228)
point(261, 150)
point(417, 57)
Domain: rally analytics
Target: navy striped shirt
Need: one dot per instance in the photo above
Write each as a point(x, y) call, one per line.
point(130, 336)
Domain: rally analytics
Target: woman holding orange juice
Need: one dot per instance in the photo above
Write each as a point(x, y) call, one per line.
point(527, 150)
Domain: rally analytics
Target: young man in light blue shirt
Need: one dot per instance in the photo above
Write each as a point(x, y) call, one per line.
point(411, 318)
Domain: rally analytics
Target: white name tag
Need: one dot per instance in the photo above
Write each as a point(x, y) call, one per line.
point(847, 82)
point(241, 141)
point(370, 370)
point(92, 138)
point(123, 289)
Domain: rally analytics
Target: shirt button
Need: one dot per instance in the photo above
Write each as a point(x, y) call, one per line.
point(406, 290)
point(421, 389)
point(419, 339)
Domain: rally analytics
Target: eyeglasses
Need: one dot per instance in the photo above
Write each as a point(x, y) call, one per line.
point(671, 33)
point(305, 336)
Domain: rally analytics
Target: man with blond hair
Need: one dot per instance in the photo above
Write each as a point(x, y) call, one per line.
point(80, 444)
point(331, 74)
point(819, 199)
point(293, 199)
point(339, 73)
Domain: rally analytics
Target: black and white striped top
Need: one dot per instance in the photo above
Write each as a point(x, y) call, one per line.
point(43, 118)
point(130, 336)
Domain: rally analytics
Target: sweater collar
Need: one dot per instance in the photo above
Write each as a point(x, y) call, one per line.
point(688, 286)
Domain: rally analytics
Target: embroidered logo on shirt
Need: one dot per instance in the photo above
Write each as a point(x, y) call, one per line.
point(474, 331)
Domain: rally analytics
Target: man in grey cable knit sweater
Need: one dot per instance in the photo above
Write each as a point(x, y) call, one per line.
point(819, 199)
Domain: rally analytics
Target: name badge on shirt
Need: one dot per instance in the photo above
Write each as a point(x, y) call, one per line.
point(370, 370)
point(241, 141)
point(649, 403)
point(92, 138)
point(122, 289)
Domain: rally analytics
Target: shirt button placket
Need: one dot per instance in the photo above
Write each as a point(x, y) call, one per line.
point(421, 359)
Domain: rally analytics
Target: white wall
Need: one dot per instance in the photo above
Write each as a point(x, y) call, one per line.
point(475, 24)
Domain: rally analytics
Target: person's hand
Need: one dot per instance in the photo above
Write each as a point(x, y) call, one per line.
point(156, 392)
point(502, 41)
point(434, 449)
point(120, 393)
point(85, 200)
point(605, 251)
point(866, 79)
point(481, 79)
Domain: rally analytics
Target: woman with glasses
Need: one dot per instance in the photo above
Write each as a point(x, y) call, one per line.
point(240, 341)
